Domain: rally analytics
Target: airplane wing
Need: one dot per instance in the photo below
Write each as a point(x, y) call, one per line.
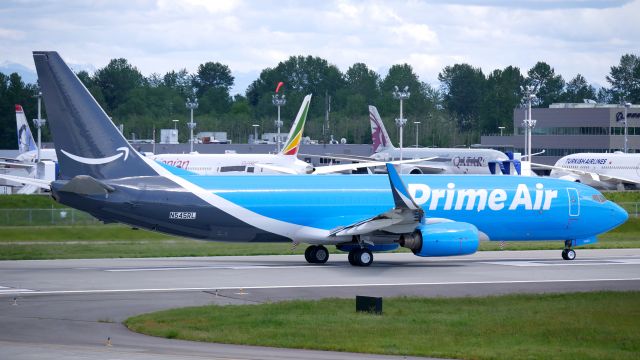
point(321, 170)
point(403, 218)
point(594, 176)
point(43, 184)
point(15, 164)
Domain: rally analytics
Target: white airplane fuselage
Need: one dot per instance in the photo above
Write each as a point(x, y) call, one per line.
point(611, 169)
point(451, 160)
point(210, 164)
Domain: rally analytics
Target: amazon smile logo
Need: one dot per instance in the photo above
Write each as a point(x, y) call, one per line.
point(98, 161)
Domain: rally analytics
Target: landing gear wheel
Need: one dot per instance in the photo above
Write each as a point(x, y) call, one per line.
point(316, 254)
point(564, 254)
point(352, 257)
point(321, 255)
point(310, 254)
point(360, 257)
point(571, 254)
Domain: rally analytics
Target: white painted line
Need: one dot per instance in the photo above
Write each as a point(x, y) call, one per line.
point(222, 267)
point(14, 291)
point(267, 287)
point(526, 263)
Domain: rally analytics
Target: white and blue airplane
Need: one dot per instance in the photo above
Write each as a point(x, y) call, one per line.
point(433, 215)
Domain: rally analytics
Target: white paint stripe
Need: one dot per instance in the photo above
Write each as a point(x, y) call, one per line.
point(566, 263)
point(222, 267)
point(267, 287)
point(14, 291)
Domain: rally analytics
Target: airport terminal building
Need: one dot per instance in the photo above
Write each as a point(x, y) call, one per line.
point(568, 128)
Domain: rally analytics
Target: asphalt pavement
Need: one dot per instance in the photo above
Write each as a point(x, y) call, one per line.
point(73, 309)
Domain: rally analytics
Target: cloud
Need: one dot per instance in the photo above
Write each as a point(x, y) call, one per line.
point(161, 35)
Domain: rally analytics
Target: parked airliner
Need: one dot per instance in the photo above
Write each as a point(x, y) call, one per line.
point(608, 171)
point(433, 215)
point(443, 160)
point(286, 161)
point(27, 147)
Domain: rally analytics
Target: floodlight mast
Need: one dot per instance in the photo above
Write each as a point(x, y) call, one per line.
point(528, 123)
point(191, 105)
point(255, 133)
point(417, 123)
point(401, 121)
point(626, 128)
point(39, 122)
point(278, 100)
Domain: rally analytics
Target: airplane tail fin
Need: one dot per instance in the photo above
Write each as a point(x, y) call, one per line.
point(25, 138)
point(86, 141)
point(292, 145)
point(379, 136)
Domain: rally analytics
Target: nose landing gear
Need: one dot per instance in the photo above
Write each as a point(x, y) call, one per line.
point(568, 253)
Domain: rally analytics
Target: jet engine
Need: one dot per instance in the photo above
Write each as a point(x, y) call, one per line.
point(442, 239)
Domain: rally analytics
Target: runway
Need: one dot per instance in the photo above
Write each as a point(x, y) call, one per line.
point(69, 308)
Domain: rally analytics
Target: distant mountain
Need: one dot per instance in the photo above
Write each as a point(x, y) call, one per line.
point(29, 76)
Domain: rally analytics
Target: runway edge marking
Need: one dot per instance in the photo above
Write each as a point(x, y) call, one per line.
point(106, 291)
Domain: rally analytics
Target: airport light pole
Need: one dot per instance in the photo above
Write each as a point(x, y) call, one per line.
point(401, 121)
point(40, 122)
point(626, 128)
point(191, 105)
point(255, 133)
point(417, 123)
point(278, 100)
point(528, 123)
point(501, 128)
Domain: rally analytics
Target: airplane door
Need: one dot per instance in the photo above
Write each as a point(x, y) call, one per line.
point(574, 202)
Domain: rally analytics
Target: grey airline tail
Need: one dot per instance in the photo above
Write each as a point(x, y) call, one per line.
point(87, 142)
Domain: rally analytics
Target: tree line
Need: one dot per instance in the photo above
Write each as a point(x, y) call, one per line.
point(466, 104)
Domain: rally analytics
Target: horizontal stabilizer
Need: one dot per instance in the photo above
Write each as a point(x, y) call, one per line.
point(86, 185)
point(43, 184)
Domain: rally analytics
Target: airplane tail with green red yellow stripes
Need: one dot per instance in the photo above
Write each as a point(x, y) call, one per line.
point(292, 145)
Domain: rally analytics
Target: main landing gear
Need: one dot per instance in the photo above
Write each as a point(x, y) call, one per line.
point(360, 257)
point(316, 254)
point(568, 253)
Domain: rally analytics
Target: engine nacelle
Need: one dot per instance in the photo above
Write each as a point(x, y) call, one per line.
point(442, 239)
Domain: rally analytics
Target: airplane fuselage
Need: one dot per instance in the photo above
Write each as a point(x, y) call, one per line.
point(453, 160)
point(306, 208)
point(210, 164)
point(621, 165)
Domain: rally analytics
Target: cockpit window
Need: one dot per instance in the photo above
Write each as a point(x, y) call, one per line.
point(599, 198)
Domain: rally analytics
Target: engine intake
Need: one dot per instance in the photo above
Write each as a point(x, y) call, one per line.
point(442, 239)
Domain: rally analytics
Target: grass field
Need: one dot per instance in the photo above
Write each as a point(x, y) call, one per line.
point(598, 325)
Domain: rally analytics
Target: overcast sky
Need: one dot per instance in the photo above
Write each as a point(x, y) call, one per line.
point(573, 36)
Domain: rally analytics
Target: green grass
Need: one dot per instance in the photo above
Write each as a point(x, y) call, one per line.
point(597, 325)
point(28, 202)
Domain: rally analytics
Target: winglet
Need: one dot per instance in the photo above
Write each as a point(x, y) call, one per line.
point(295, 135)
point(401, 195)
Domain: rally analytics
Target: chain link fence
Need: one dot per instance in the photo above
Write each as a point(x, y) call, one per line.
point(43, 217)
